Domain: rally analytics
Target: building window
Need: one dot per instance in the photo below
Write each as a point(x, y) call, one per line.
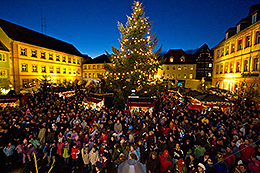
point(191, 68)
point(209, 74)
point(232, 47)
point(184, 76)
point(254, 18)
point(85, 75)
point(64, 70)
point(2, 58)
point(98, 66)
point(167, 67)
point(171, 59)
point(221, 69)
point(63, 59)
point(85, 66)
point(247, 41)
point(89, 75)
point(227, 50)
point(51, 69)
point(34, 53)
point(78, 61)
point(78, 71)
point(179, 68)
point(23, 51)
point(94, 67)
point(217, 53)
point(185, 67)
point(257, 37)
point(58, 80)
point(238, 28)
point(238, 67)
point(191, 76)
point(256, 64)
point(182, 59)
point(24, 67)
point(58, 69)
point(222, 52)
point(69, 70)
point(74, 71)
point(226, 67)
point(217, 69)
point(57, 57)
point(210, 65)
point(34, 68)
point(69, 60)
point(43, 69)
point(173, 67)
point(231, 67)
point(43, 55)
point(50, 56)
point(179, 75)
point(246, 65)
point(89, 66)
point(74, 61)
point(239, 45)
point(3, 73)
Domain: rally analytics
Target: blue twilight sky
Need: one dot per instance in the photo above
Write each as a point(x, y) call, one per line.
point(91, 25)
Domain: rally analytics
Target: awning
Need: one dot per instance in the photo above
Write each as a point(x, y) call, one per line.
point(196, 107)
point(95, 100)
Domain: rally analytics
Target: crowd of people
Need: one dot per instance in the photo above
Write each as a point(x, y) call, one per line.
point(171, 139)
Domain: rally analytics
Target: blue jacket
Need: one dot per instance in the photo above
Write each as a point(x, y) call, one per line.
point(9, 150)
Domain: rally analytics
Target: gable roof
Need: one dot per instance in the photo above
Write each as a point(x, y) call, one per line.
point(100, 59)
point(22, 34)
point(3, 47)
point(177, 54)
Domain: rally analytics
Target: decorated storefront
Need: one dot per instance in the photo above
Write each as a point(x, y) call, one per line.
point(140, 104)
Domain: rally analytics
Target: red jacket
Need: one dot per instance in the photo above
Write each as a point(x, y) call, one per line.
point(165, 163)
point(230, 159)
point(247, 152)
point(74, 153)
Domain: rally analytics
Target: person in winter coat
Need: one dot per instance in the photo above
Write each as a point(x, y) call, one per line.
point(230, 158)
point(44, 150)
point(9, 151)
point(85, 156)
point(210, 167)
point(191, 162)
point(75, 155)
point(60, 145)
point(177, 153)
point(254, 164)
point(93, 157)
point(25, 150)
point(153, 164)
point(246, 151)
point(199, 151)
point(41, 135)
point(51, 151)
point(65, 153)
point(165, 161)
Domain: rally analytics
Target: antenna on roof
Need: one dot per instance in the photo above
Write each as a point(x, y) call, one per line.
point(43, 24)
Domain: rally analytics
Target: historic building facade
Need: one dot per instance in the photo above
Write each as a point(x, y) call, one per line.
point(236, 58)
point(33, 55)
point(177, 67)
point(93, 67)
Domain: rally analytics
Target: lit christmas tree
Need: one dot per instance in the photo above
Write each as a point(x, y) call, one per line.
point(134, 65)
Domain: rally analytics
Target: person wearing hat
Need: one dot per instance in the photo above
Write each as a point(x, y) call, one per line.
point(201, 168)
point(165, 161)
point(85, 156)
point(180, 166)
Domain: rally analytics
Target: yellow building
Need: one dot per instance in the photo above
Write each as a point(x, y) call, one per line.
point(33, 55)
point(236, 58)
point(93, 67)
point(178, 67)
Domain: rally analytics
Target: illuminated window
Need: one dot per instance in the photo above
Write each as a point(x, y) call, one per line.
point(182, 59)
point(69, 70)
point(227, 50)
point(210, 65)
point(89, 75)
point(57, 57)
point(191, 75)
point(191, 68)
point(34, 53)
point(94, 66)
point(24, 67)
point(221, 69)
point(25, 82)
point(50, 56)
point(209, 74)
point(63, 59)
point(89, 66)
point(64, 70)
point(3, 73)
point(58, 69)
point(2, 58)
point(184, 76)
point(231, 67)
point(247, 41)
point(246, 65)
point(85, 75)
point(232, 47)
point(179, 68)
point(217, 53)
point(173, 67)
point(222, 52)
point(167, 67)
point(78, 71)
point(256, 64)
point(226, 67)
point(78, 61)
point(43, 55)
point(217, 69)
point(254, 18)
point(238, 67)
point(23, 51)
point(43, 69)
point(69, 60)
point(257, 37)
point(34, 68)
point(85, 66)
point(238, 28)
point(171, 59)
point(74, 61)
point(98, 66)
point(239, 45)
point(74, 71)
point(51, 69)
point(185, 67)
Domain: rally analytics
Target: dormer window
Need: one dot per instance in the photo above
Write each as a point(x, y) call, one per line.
point(171, 59)
point(238, 28)
point(182, 59)
point(254, 18)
